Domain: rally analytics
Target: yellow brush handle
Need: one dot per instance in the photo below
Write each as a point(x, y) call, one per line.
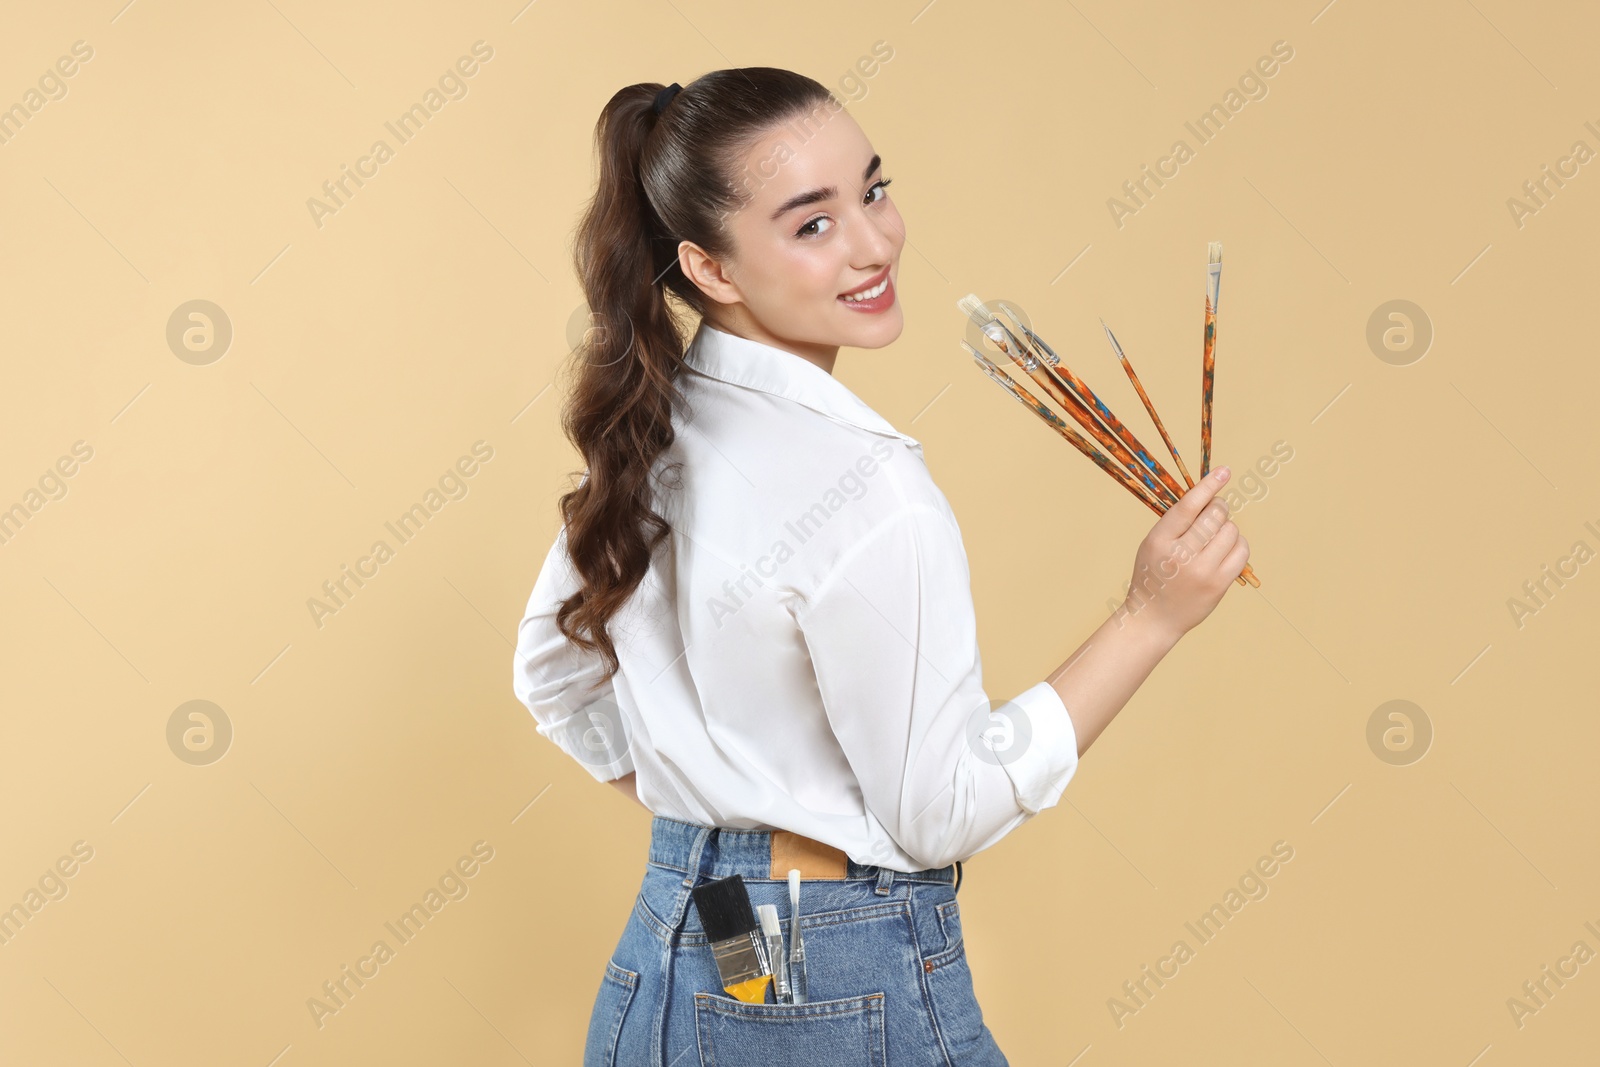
point(752, 992)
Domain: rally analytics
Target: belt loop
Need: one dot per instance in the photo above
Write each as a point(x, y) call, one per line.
point(885, 881)
point(700, 838)
point(680, 908)
point(959, 873)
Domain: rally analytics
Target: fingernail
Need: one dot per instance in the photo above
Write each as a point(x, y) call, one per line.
point(1222, 474)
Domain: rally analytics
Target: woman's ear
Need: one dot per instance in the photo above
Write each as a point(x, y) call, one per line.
point(708, 275)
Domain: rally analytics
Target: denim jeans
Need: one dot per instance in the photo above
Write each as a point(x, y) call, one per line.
point(888, 979)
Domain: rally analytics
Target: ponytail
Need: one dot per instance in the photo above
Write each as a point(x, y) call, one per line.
point(664, 177)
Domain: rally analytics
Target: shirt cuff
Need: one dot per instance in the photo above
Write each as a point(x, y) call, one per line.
point(1041, 771)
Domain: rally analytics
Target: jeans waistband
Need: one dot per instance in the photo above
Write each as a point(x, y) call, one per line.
point(748, 853)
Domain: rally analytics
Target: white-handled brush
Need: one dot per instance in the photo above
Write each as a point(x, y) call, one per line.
point(797, 947)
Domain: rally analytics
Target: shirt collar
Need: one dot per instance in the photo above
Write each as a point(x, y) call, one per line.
point(757, 365)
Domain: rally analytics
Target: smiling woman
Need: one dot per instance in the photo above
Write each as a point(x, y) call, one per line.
point(754, 199)
point(773, 655)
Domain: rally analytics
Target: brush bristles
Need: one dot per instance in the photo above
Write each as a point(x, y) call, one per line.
point(724, 907)
point(1113, 339)
point(974, 309)
point(1214, 252)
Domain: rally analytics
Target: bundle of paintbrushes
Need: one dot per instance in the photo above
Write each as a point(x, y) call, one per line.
point(1124, 458)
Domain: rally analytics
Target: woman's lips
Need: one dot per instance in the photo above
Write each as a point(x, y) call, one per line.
point(882, 302)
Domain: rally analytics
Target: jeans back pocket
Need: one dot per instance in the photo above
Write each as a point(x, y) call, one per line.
point(617, 987)
point(847, 1032)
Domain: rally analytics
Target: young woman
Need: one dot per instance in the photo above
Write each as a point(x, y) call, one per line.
point(757, 618)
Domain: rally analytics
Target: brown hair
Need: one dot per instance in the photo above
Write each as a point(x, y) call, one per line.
point(663, 178)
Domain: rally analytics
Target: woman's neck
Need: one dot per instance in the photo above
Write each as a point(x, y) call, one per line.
point(822, 356)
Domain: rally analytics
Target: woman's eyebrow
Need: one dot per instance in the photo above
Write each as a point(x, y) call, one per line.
point(827, 192)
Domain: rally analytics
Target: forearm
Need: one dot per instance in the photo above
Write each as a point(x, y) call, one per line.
point(626, 785)
point(1100, 677)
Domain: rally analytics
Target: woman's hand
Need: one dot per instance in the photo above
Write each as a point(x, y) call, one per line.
point(1188, 560)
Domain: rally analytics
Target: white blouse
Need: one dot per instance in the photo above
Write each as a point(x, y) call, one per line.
point(802, 653)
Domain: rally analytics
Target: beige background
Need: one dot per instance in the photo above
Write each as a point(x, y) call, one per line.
point(369, 353)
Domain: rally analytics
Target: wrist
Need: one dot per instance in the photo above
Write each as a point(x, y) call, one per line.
point(1160, 635)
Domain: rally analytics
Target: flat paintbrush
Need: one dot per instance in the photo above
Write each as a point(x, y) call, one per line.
point(736, 941)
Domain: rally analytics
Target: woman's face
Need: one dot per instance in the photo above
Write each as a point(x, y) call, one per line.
point(819, 224)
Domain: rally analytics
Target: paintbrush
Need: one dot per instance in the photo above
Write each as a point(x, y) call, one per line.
point(736, 942)
point(1021, 394)
point(1148, 406)
point(1058, 390)
point(1208, 369)
point(1080, 392)
point(1039, 408)
point(1246, 575)
point(1084, 395)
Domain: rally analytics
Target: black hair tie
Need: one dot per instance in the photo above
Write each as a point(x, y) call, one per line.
point(664, 97)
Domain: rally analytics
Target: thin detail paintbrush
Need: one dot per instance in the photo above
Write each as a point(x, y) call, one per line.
point(1035, 346)
point(1148, 406)
point(1039, 408)
point(1086, 397)
point(1077, 440)
point(1208, 370)
point(1247, 574)
point(1040, 371)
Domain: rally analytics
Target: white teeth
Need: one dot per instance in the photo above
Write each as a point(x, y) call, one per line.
point(874, 292)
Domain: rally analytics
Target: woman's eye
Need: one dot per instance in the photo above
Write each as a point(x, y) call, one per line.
point(807, 228)
point(802, 232)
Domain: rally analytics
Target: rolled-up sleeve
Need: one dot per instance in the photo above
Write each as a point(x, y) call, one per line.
point(556, 680)
point(892, 635)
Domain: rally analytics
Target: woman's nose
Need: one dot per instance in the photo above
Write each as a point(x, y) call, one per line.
point(878, 239)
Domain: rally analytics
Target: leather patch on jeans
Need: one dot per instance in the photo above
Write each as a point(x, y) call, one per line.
point(813, 858)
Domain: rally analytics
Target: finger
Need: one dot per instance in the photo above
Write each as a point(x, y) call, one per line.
point(1205, 527)
point(1179, 517)
point(1233, 563)
point(1221, 543)
point(1210, 520)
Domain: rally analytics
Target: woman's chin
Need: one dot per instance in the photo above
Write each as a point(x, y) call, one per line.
point(874, 330)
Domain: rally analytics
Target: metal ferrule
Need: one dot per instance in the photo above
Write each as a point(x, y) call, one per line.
point(738, 959)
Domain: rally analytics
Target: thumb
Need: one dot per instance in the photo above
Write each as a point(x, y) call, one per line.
point(1180, 516)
